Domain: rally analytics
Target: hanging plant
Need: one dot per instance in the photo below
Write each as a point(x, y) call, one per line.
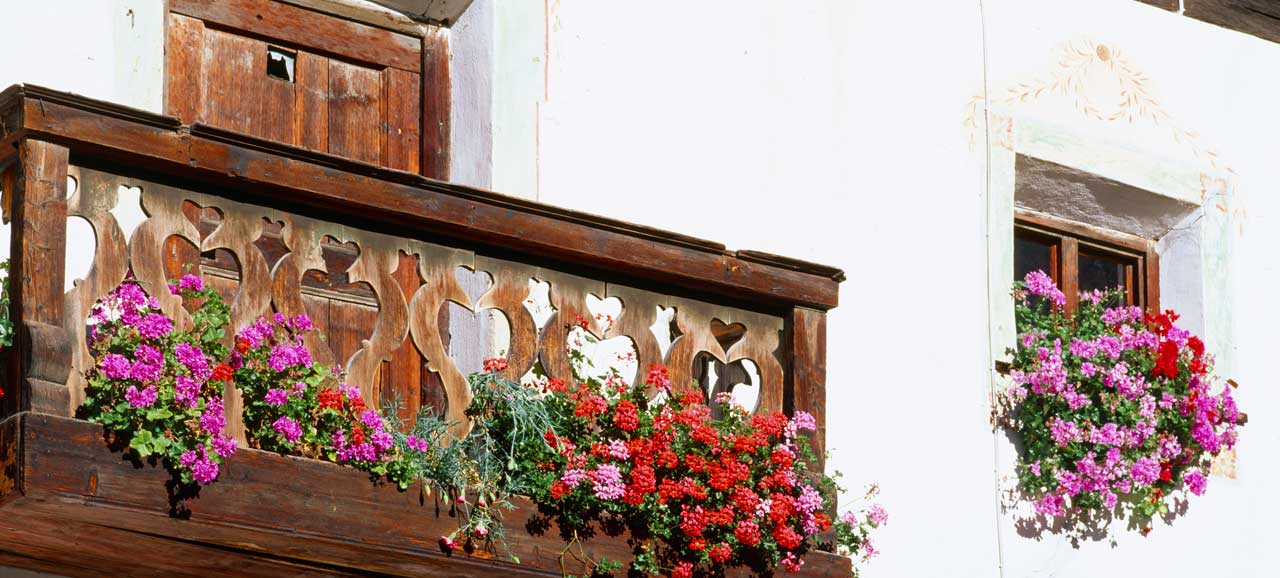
point(1115, 410)
point(293, 405)
point(698, 495)
point(158, 388)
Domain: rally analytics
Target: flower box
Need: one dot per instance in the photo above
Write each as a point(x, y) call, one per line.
point(69, 504)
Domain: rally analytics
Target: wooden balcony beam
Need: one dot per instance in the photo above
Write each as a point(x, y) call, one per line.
point(369, 196)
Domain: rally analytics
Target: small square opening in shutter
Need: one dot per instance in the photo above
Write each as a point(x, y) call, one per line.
point(280, 63)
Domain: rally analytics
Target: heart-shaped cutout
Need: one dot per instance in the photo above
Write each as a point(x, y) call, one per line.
point(602, 357)
point(736, 383)
point(604, 312)
point(665, 329)
point(474, 336)
point(538, 303)
point(271, 242)
point(727, 334)
point(474, 283)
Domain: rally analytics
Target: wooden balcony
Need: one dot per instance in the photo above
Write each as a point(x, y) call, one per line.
point(397, 269)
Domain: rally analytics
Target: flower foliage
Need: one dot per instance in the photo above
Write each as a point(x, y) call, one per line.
point(293, 405)
point(158, 386)
point(1115, 409)
point(697, 494)
point(6, 325)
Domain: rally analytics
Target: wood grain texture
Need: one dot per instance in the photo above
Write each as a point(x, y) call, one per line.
point(317, 32)
point(807, 381)
point(83, 505)
point(41, 358)
point(311, 74)
point(1259, 18)
point(355, 112)
point(437, 100)
point(93, 201)
point(183, 61)
point(274, 173)
point(401, 125)
point(231, 92)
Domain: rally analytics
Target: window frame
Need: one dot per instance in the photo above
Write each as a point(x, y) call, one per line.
point(1068, 238)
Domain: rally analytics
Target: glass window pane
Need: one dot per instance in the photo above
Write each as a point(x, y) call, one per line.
point(1097, 272)
point(1032, 255)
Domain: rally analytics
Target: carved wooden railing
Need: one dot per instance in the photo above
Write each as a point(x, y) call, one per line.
point(399, 269)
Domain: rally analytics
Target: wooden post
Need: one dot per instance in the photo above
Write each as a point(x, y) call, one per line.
point(40, 360)
point(436, 99)
point(807, 380)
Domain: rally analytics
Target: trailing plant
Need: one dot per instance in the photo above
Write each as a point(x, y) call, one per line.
point(6, 325)
point(697, 495)
point(1115, 410)
point(156, 387)
point(293, 405)
point(507, 434)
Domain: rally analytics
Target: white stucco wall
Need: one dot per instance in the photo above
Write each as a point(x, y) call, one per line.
point(843, 132)
point(107, 49)
point(846, 132)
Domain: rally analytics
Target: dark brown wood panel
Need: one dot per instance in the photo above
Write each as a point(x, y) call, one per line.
point(349, 324)
point(808, 376)
point(402, 99)
point(312, 106)
point(184, 57)
point(278, 115)
point(40, 360)
point(1260, 18)
point(436, 105)
point(355, 112)
point(232, 95)
point(308, 29)
point(274, 173)
point(402, 376)
point(267, 515)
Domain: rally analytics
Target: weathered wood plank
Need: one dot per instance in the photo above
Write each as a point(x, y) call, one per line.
point(400, 120)
point(1260, 18)
point(355, 112)
point(184, 57)
point(41, 356)
point(314, 30)
point(807, 379)
point(231, 92)
point(437, 99)
point(413, 206)
point(83, 503)
point(311, 74)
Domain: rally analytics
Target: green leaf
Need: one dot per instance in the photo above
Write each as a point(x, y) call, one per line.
point(159, 414)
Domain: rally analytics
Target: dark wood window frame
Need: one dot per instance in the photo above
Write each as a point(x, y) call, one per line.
point(1068, 238)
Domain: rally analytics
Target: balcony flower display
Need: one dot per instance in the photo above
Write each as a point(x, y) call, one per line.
point(696, 495)
point(158, 387)
point(1116, 410)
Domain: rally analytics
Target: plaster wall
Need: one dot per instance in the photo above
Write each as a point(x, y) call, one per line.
point(107, 49)
point(864, 135)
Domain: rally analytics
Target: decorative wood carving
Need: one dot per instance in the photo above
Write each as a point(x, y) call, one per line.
point(397, 316)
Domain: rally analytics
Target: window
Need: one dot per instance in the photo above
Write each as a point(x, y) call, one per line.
point(1083, 258)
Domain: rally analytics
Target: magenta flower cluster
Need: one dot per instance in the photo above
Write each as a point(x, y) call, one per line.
point(165, 376)
point(1116, 408)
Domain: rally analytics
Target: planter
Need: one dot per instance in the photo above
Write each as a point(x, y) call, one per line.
point(71, 505)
